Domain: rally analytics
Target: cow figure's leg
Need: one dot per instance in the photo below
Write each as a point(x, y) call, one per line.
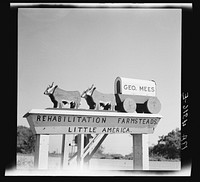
point(55, 104)
point(97, 106)
point(72, 105)
point(112, 107)
point(109, 106)
point(79, 103)
point(76, 105)
point(60, 105)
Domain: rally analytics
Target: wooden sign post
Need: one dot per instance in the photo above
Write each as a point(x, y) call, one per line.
point(80, 150)
point(140, 152)
point(134, 110)
point(41, 151)
point(65, 152)
point(44, 122)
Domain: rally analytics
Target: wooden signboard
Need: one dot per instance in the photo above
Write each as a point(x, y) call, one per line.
point(69, 121)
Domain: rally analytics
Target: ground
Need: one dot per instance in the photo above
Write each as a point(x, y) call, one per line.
point(27, 162)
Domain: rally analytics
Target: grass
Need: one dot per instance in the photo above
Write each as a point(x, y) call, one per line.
point(26, 161)
point(160, 158)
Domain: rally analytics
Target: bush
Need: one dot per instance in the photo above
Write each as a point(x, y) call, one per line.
point(129, 156)
point(157, 158)
point(116, 156)
point(168, 146)
point(25, 140)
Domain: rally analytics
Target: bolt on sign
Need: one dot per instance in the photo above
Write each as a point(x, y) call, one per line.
point(69, 121)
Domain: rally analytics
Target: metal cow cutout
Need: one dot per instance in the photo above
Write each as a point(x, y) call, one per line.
point(95, 99)
point(60, 97)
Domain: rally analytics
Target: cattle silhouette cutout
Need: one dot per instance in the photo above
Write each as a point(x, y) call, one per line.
point(61, 97)
point(96, 99)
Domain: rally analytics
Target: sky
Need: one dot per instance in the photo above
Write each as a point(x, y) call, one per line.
point(75, 48)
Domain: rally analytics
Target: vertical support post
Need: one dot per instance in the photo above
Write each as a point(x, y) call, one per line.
point(41, 152)
point(145, 151)
point(140, 152)
point(65, 151)
point(87, 140)
point(80, 150)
